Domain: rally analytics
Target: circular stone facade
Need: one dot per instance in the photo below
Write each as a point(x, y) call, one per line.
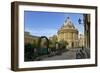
point(68, 33)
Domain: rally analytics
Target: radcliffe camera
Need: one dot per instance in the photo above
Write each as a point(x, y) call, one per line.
point(56, 36)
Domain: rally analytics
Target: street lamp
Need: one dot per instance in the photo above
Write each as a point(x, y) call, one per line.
point(80, 21)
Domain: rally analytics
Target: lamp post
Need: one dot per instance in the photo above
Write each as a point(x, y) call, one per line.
point(80, 21)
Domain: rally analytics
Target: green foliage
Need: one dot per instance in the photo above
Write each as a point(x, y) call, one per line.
point(63, 44)
point(52, 43)
point(29, 54)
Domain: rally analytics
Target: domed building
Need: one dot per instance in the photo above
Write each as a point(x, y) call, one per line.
point(68, 33)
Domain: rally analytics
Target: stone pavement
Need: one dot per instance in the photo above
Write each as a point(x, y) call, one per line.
point(71, 54)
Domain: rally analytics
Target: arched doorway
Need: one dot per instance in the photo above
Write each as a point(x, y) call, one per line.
point(43, 45)
point(72, 44)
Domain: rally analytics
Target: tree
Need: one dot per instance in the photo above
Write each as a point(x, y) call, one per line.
point(53, 41)
point(63, 44)
point(54, 38)
point(29, 52)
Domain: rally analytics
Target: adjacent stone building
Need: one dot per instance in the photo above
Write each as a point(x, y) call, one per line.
point(87, 30)
point(35, 40)
point(81, 40)
point(30, 39)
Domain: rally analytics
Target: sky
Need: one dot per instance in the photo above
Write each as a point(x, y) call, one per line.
point(48, 23)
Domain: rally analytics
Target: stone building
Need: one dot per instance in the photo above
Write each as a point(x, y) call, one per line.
point(30, 39)
point(68, 33)
point(87, 30)
point(35, 40)
point(81, 40)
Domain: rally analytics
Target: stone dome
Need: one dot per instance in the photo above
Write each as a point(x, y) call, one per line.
point(68, 26)
point(68, 23)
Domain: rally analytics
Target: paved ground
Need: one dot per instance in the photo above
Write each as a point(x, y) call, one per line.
point(71, 54)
